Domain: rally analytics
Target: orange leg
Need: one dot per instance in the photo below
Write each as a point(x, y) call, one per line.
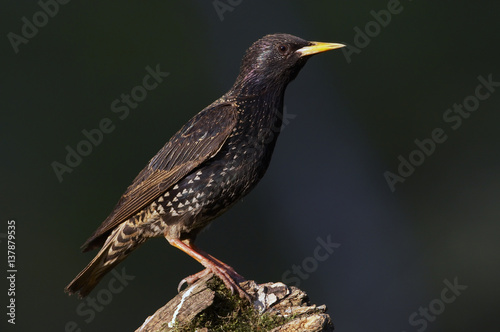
point(226, 273)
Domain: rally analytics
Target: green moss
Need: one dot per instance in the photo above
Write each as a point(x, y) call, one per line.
point(231, 313)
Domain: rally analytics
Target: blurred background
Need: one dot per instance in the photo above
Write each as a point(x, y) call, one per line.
point(351, 116)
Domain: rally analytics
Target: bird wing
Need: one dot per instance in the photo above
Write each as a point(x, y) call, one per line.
point(199, 140)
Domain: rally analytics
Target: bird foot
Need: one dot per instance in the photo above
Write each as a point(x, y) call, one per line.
point(212, 265)
point(230, 278)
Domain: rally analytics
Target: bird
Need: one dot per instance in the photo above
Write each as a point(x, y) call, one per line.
point(210, 164)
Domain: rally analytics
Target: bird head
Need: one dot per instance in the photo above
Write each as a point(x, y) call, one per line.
point(275, 60)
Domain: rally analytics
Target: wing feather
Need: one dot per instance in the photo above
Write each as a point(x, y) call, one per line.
point(200, 139)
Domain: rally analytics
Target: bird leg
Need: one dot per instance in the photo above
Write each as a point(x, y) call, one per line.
point(212, 265)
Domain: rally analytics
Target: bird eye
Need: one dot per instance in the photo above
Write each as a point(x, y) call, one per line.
point(283, 49)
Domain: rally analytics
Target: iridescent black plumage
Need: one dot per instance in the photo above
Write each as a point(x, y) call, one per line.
point(206, 167)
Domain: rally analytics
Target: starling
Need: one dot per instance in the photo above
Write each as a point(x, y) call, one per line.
point(206, 167)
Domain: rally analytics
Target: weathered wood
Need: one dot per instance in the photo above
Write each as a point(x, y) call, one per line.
point(208, 306)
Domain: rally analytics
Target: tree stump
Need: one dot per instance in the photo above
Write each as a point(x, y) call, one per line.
point(208, 306)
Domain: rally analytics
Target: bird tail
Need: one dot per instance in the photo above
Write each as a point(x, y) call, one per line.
point(116, 248)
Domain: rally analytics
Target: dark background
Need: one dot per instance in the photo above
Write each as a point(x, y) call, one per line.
point(348, 123)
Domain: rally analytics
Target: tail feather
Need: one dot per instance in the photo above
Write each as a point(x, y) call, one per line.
point(90, 276)
point(116, 248)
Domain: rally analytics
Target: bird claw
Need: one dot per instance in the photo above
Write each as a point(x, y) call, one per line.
point(231, 283)
point(193, 278)
point(181, 283)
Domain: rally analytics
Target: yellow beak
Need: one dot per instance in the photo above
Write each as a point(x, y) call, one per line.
point(318, 47)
